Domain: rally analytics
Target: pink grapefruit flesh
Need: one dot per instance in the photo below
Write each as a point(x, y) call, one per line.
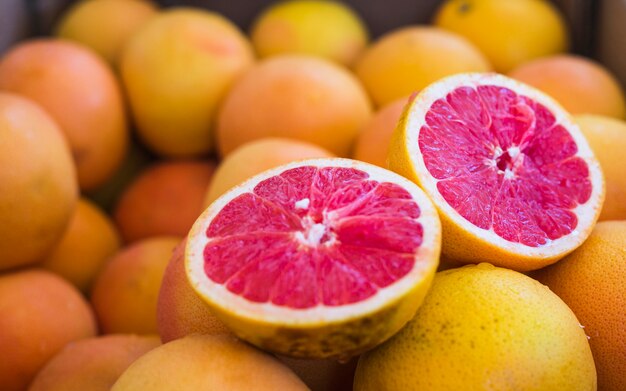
point(314, 236)
point(321, 258)
point(504, 163)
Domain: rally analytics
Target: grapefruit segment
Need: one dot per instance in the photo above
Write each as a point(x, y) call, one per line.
point(513, 178)
point(312, 249)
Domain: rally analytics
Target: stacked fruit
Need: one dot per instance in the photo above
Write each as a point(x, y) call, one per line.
point(179, 210)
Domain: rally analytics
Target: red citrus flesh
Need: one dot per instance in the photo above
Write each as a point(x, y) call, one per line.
point(314, 236)
point(504, 163)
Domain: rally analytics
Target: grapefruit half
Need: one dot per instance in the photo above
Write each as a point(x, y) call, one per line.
point(318, 258)
point(512, 176)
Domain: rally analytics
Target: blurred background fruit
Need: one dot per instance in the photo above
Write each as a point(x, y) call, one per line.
point(180, 311)
point(213, 362)
point(105, 25)
point(581, 85)
point(257, 156)
point(125, 293)
point(298, 97)
point(327, 29)
point(183, 64)
point(41, 313)
point(165, 199)
point(136, 161)
point(508, 32)
point(373, 141)
point(86, 245)
point(591, 282)
point(607, 137)
point(39, 188)
point(92, 364)
point(176, 70)
point(482, 326)
point(78, 89)
point(408, 59)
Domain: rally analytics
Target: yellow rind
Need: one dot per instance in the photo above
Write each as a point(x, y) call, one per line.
point(459, 244)
point(339, 340)
point(335, 332)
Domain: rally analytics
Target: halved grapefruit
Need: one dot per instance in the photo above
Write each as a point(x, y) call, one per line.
point(318, 258)
point(513, 178)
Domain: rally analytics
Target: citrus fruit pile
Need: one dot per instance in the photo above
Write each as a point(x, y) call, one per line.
point(296, 204)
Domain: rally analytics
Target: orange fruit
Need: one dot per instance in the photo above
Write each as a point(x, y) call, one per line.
point(88, 242)
point(410, 58)
point(513, 178)
point(41, 313)
point(92, 364)
point(165, 199)
point(579, 84)
point(137, 159)
point(591, 281)
point(373, 141)
point(255, 157)
point(176, 70)
point(181, 312)
point(483, 328)
point(77, 88)
point(508, 32)
point(104, 25)
point(327, 29)
point(607, 138)
point(125, 293)
point(296, 260)
point(207, 362)
point(39, 188)
point(278, 96)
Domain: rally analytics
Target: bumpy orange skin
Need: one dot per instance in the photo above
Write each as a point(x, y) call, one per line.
point(279, 97)
point(591, 282)
point(92, 364)
point(37, 173)
point(165, 199)
point(373, 141)
point(483, 328)
point(41, 313)
point(88, 242)
point(581, 85)
point(125, 293)
point(176, 70)
point(207, 362)
point(408, 59)
point(105, 25)
point(77, 88)
point(255, 157)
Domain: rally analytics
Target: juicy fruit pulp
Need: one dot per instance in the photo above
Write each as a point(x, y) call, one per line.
point(316, 259)
point(314, 236)
point(509, 165)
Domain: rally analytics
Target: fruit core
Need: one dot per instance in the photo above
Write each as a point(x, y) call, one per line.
point(314, 236)
point(505, 164)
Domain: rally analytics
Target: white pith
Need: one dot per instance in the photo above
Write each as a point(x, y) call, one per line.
point(587, 213)
point(313, 233)
point(219, 295)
